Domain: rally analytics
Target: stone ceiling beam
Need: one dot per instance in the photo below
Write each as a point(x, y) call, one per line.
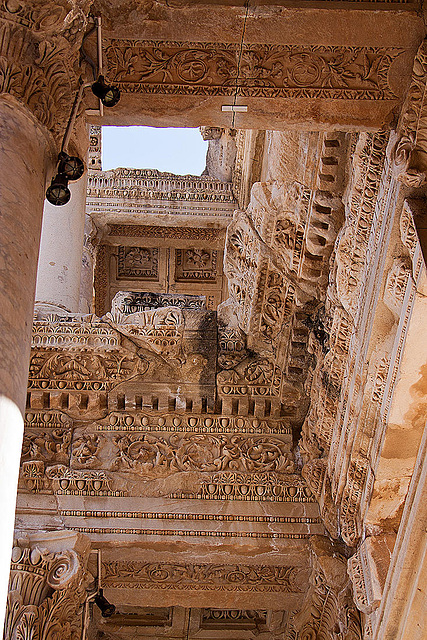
point(298, 67)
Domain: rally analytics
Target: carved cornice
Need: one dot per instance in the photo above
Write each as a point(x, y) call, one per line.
point(39, 56)
point(272, 71)
point(143, 184)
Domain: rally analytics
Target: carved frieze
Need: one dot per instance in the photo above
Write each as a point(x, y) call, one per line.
point(151, 184)
point(177, 233)
point(260, 70)
point(151, 454)
point(129, 302)
point(83, 371)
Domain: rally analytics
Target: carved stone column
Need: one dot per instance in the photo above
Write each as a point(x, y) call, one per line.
point(87, 267)
point(61, 248)
point(39, 45)
point(47, 586)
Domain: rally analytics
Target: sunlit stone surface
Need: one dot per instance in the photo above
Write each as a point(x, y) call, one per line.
point(225, 413)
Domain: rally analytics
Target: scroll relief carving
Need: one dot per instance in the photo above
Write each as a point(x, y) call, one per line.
point(409, 154)
point(83, 371)
point(152, 454)
point(203, 577)
point(272, 71)
point(46, 593)
point(39, 50)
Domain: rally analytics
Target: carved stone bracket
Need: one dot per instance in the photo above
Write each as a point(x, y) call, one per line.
point(367, 569)
point(409, 154)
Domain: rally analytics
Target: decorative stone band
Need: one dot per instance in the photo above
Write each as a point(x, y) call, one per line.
point(272, 71)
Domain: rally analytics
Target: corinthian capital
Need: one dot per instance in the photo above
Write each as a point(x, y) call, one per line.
point(47, 586)
point(39, 56)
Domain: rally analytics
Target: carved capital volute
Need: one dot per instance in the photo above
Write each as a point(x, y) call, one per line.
point(39, 56)
point(47, 585)
point(409, 152)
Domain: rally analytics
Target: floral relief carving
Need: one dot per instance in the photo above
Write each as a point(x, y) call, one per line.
point(137, 262)
point(85, 448)
point(47, 445)
point(196, 264)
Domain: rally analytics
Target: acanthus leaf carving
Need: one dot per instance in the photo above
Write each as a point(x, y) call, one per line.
point(46, 592)
point(39, 57)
